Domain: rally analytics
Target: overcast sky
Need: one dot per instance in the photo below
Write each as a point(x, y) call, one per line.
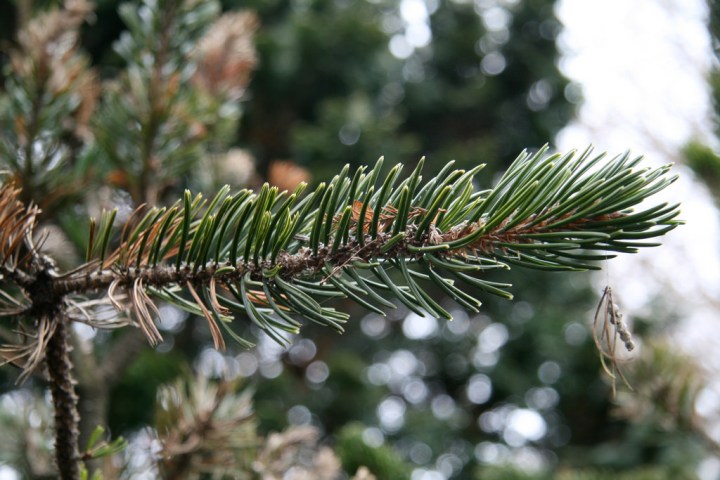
point(642, 67)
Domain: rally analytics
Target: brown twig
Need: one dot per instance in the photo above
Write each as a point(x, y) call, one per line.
point(65, 401)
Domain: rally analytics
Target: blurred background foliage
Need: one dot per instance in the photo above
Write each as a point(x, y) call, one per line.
point(513, 393)
point(703, 158)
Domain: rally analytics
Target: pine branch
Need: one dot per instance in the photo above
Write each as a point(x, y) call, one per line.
point(270, 255)
point(30, 276)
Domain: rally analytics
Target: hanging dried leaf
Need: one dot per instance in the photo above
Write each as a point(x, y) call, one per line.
point(608, 326)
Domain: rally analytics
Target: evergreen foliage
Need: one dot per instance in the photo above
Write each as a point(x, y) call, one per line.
point(265, 256)
point(383, 462)
point(269, 255)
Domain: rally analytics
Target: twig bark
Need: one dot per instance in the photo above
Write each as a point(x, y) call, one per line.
point(65, 401)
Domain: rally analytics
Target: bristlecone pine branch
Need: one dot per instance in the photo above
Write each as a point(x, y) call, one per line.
point(271, 255)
